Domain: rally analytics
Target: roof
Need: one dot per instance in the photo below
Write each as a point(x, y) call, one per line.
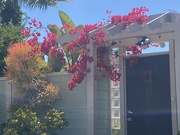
point(160, 24)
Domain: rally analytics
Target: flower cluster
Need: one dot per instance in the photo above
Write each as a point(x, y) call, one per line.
point(80, 68)
point(133, 50)
point(83, 40)
point(113, 73)
point(36, 24)
point(101, 64)
point(80, 46)
point(25, 32)
point(99, 37)
point(47, 46)
point(137, 15)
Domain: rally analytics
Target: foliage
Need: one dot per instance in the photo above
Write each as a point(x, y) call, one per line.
point(41, 4)
point(11, 13)
point(26, 122)
point(28, 74)
point(55, 120)
point(11, 18)
point(79, 46)
point(9, 34)
point(71, 57)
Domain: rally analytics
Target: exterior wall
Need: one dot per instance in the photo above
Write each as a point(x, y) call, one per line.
point(5, 96)
point(3, 100)
point(103, 106)
point(73, 103)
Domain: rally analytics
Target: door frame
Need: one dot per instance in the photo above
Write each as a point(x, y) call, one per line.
point(123, 108)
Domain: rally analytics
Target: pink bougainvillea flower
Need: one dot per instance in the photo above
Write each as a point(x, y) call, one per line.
point(25, 32)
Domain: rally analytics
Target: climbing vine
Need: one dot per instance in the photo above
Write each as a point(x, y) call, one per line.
point(79, 45)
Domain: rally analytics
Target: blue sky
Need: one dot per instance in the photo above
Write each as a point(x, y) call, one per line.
point(93, 11)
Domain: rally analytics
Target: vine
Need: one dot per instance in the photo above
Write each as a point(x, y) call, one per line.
point(79, 68)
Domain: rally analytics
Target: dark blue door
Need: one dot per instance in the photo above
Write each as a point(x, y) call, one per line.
point(148, 96)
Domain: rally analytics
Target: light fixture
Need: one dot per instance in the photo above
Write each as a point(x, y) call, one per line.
point(162, 44)
point(144, 41)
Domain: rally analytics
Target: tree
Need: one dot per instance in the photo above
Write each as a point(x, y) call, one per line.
point(41, 4)
point(11, 18)
point(9, 33)
point(10, 13)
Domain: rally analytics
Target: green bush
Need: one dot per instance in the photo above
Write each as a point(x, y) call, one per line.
point(26, 122)
point(55, 120)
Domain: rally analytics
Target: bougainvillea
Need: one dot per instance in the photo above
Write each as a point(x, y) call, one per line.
point(79, 45)
point(137, 15)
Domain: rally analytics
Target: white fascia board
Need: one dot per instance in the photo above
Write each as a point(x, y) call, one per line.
point(145, 31)
point(156, 23)
point(106, 26)
point(115, 29)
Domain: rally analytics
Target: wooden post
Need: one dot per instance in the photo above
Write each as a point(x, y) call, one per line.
point(91, 92)
point(122, 93)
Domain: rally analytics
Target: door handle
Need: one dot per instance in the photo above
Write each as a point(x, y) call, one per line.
point(129, 112)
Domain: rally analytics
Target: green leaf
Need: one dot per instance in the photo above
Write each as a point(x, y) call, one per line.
point(65, 19)
point(63, 69)
point(55, 29)
point(80, 26)
point(75, 56)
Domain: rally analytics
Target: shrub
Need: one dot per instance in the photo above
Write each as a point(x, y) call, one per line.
point(27, 123)
point(24, 123)
point(55, 120)
point(28, 74)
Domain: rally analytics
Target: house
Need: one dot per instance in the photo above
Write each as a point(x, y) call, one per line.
point(149, 92)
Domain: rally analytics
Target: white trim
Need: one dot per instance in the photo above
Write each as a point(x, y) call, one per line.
point(177, 69)
point(92, 93)
point(122, 88)
point(172, 86)
point(145, 31)
point(149, 54)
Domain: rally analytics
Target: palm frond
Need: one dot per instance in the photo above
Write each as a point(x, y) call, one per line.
point(41, 4)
